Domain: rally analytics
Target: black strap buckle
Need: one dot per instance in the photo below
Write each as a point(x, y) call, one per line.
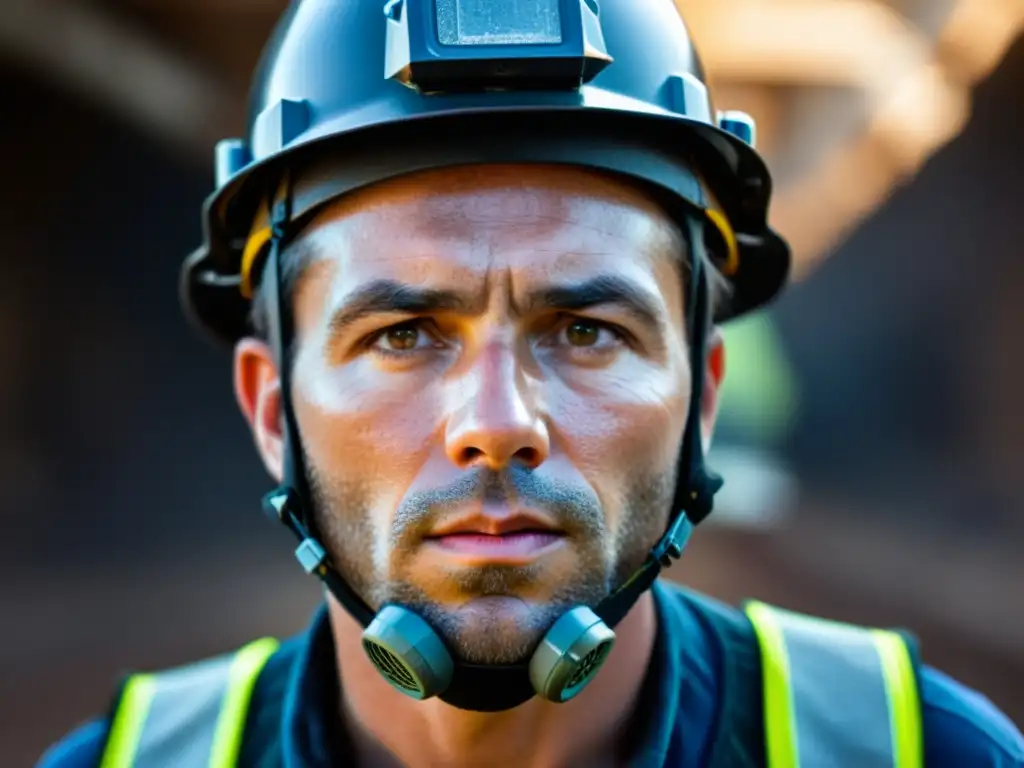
point(672, 544)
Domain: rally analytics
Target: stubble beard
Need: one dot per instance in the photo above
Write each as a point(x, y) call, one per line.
point(494, 626)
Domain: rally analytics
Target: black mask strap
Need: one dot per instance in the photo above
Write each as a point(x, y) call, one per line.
point(695, 485)
point(287, 503)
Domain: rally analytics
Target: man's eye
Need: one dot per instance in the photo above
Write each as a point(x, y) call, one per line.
point(588, 334)
point(403, 339)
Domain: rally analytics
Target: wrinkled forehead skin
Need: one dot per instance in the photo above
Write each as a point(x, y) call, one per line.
point(478, 228)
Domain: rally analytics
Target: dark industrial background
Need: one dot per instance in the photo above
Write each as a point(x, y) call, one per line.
point(131, 533)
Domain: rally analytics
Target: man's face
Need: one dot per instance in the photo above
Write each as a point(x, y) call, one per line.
point(491, 382)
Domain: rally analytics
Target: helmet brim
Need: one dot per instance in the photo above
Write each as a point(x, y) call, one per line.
point(634, 139)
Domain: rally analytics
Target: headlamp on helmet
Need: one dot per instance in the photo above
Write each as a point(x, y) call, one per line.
point(464, 45)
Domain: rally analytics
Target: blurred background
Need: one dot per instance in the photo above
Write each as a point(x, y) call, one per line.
point(873, 434)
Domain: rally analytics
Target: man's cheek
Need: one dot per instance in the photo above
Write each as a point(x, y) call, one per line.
point(613, 445)
point(638, 409)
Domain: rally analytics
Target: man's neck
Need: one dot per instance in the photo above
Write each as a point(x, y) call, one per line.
point(585, 731)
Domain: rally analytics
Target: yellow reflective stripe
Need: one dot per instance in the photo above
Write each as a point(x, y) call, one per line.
point(904, 709)
point(779, 720)
point(126, 729)
point(245, 668)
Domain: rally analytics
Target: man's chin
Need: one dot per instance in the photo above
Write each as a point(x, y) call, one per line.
point(496, 614)
point(494, 629)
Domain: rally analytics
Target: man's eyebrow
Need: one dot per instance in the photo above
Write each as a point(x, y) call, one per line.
point(603, 289)
point(392, 296)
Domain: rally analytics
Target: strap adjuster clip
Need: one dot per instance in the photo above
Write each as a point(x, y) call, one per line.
point(674, 541)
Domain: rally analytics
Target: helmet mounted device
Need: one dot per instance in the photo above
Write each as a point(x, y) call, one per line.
point(447, 46)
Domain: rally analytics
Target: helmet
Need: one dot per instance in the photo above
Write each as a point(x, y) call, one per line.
point(353, 92)
point(371, 80)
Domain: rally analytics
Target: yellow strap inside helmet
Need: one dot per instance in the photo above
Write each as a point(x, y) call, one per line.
point(259, 237)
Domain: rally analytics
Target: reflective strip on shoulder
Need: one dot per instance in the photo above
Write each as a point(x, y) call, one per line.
point(192, 717)
point(835, 694)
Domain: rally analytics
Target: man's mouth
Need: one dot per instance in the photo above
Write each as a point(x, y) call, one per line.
point(506, 538)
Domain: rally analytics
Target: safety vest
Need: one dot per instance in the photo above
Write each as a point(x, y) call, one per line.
point(834, 695)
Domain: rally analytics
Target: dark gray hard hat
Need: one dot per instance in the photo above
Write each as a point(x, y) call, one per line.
point(369, 90)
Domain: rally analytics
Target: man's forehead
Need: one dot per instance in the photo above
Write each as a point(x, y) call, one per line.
point(472, 219)
point(460, 201)
point(476, 263)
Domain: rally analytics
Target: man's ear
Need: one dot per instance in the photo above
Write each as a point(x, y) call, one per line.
point(714, 373)
point(258, 392)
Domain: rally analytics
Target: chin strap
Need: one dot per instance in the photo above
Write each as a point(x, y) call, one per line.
point(696, 486)
point(487, 688)
point(287, 502)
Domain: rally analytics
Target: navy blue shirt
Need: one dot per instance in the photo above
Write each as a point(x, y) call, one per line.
point(682, 699)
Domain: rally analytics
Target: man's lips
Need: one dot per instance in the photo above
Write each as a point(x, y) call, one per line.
point(497, 538)
point(495, 525)
point(514, 546)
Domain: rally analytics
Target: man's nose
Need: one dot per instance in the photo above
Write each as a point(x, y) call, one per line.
point(494, 420)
